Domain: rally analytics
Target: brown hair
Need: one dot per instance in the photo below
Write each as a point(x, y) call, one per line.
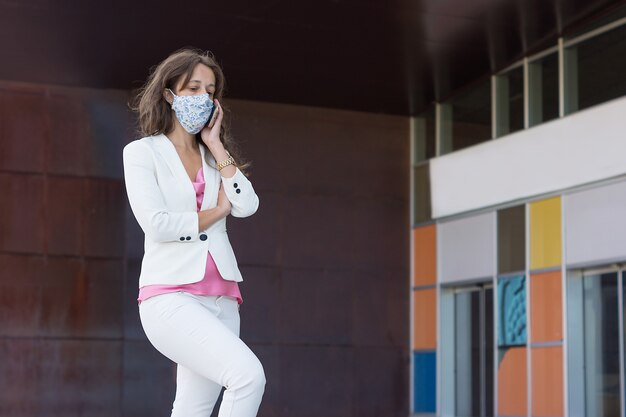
point(155, 115)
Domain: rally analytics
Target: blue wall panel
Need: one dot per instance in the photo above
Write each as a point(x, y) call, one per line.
point(425, 382)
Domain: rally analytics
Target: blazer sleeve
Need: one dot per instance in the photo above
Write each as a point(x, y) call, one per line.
point(147, 203)
point(239, 191)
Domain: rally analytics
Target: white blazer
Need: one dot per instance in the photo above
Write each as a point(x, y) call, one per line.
point(163, 201)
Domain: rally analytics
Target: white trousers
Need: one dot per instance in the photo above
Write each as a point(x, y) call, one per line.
point(201, 334)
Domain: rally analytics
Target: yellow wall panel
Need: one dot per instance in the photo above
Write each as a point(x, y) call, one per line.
point(545, 233)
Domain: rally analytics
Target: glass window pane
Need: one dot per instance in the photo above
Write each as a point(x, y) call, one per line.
point(601, 345)
point(467, 353)
point(595, 70)
point(489, 352)
point(510, 102)
point(466, 118)
point(473, 338)
point(421, 194)
point(543, 80)
point(424, 134)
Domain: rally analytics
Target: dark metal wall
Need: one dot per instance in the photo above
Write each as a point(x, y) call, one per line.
point(325, 260)
point(327, 267)
point(63, 344)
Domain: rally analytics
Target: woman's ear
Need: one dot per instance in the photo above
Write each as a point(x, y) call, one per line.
point(168, 96)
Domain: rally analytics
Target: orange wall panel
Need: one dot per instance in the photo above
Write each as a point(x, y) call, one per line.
point(546, 307)
point(425, 319)
point(547, 381)
point(425, 255)
point(512, 377)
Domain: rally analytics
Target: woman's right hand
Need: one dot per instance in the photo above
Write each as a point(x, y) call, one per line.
point(223, 203)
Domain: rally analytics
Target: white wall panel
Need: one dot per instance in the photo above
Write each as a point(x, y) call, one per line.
point(466, 247)
point(595, 224)
point(581, 148)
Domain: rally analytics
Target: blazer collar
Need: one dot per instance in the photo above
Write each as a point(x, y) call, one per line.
point(167, 150)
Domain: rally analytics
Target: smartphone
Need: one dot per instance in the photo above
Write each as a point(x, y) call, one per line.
point(212, 116)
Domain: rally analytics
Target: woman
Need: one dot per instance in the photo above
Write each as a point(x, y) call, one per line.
point(182, 181)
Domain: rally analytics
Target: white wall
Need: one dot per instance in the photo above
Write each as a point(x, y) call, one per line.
point(581, 148)
point(595, 225)
point(466, 248)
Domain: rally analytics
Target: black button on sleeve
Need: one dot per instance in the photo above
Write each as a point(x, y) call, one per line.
point(188, 237)
point(203, 237)
point(237, 190)
point(182, 238)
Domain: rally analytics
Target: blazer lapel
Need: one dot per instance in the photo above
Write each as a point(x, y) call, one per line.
point(167, 150)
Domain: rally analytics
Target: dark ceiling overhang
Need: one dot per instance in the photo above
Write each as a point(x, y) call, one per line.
point(374, 55)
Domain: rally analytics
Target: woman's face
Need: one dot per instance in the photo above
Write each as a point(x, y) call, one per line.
point(202, 81)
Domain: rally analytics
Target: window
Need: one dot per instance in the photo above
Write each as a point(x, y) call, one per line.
point(593, 67)
point(543, 89)
point(594, 70)
point(424, 135)
point(421, 194)
point(466, 118)
point(594, 339)
point(468, 351)
point(510, 101)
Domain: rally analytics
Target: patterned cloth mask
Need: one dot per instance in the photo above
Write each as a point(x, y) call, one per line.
point(192, 111)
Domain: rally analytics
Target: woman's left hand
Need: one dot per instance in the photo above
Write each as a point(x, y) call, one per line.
point(211, 135)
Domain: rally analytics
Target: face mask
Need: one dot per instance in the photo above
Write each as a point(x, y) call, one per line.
point(192, 111)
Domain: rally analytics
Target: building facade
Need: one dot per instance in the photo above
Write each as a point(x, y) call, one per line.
point(519, 236)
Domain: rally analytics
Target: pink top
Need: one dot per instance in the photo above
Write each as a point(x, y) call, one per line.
point(211, 284)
